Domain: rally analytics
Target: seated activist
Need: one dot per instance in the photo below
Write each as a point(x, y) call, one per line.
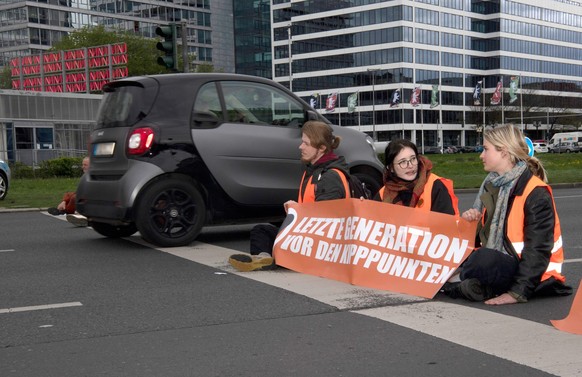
point(321, 181)
point(68, 204)
point(408, 181)
point(519, 240)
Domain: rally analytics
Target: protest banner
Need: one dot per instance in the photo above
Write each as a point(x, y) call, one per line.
point(374, 244)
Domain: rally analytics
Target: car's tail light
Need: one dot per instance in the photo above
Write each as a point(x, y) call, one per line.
point(140, 141)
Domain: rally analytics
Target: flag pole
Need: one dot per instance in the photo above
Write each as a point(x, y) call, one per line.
point(402, 109)
point(521, 103)
point(439, 134)
point(339, 112)
point(484, 102)
point(421, 120)
point(359, 118)
point(502, 106)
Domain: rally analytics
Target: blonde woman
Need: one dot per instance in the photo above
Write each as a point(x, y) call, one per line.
point(520, 252)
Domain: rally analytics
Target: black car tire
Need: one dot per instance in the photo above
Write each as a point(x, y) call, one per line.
point(170, 212)
point(3, 186)
point(113, 231)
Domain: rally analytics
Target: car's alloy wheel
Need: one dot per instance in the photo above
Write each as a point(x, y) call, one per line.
point(3, 186)
point(171, 212)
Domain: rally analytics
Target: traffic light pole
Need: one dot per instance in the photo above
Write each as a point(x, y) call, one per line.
point(184, 32)
point(169, 46)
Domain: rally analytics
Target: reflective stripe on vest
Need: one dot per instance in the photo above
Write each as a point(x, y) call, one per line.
point(309, 193)
point(425, 200)
point(515, 225)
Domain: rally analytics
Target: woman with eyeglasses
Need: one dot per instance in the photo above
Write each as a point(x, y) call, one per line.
point(408, 181)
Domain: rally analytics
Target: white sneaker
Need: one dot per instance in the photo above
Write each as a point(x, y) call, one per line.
point(77, 220)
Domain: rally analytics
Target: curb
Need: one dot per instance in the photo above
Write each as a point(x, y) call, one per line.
point(10, 210)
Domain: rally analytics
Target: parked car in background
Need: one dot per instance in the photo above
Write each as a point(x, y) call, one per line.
point(540, 147)
point(467, 149)
point(4, 179)
point(173, 153)
point(430, 149)
point(565, 147)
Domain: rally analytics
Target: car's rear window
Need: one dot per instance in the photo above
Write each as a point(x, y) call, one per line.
point(124, 104)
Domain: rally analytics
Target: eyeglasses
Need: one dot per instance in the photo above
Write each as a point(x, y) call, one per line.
point(405, 163)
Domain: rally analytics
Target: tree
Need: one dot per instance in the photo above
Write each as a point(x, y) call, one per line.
point(6, 78)
point(141, 52)
point(205, 68)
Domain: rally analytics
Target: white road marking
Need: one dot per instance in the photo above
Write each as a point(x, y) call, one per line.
point(40, 307)
point(521, 341)
point(503, 336)
point(6, 250)
point(577, 260)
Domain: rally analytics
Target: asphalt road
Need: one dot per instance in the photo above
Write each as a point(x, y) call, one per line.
point(73, 303)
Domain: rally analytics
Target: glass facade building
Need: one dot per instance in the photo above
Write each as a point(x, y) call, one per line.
point(30, 27)
point(252, 30)
point(370, 49)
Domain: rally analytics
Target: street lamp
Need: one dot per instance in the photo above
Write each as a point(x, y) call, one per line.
point(374, 135)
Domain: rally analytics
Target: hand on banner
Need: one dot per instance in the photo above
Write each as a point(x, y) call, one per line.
point(288, 203)
point(471, 215)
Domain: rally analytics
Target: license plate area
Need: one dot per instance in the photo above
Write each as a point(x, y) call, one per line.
point(104, 149)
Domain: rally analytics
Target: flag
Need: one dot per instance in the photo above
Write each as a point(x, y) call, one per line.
point(331, 102)
point(496, 97)
point(352, 102)
point(434, 97)
point(513, 88)
point(415, 96)
point(477, 94)
point(395, 101)
point(314, 100)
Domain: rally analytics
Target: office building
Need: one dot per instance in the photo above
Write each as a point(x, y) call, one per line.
point(30, 27)
point(528, 51)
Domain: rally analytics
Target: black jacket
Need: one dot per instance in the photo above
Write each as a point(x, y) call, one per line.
point(328, 182)
point(538, 238)
point(440, 198)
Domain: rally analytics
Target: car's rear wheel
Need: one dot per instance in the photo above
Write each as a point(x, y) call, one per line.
point(171, 212)
point(3, 186)
point(113, 231)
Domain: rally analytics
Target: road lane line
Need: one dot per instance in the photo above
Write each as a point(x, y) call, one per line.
point(521, 341)
point(40, 307)
point(503, 336)
point(6, 250)
point(573, 260)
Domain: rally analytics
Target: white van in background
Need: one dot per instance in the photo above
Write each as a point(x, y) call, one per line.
point(562, 137)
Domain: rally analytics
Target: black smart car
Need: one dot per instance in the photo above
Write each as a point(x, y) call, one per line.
point(173, 153)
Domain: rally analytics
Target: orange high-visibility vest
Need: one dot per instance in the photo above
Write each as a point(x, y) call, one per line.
point(425, 200)
point(308, 196)
point(515, 226)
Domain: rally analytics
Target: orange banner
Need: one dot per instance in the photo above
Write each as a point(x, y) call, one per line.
point(374, 244)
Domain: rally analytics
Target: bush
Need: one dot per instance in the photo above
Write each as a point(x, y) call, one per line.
point(20, 170)
point(64, 167)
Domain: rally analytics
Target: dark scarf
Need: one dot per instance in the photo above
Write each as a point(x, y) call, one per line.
point(396, 189)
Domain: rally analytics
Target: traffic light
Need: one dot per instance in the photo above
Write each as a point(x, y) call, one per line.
point(168, 46)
